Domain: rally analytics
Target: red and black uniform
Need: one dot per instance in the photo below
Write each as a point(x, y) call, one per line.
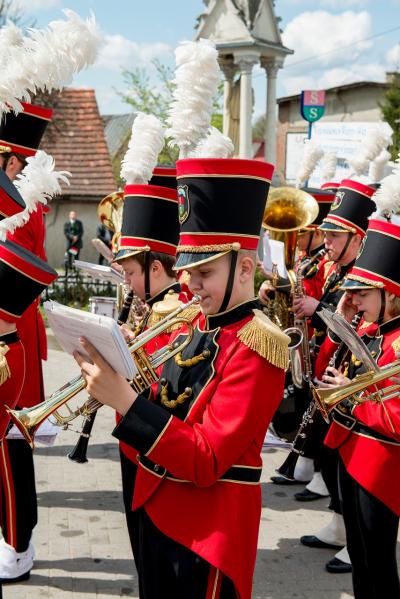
point(199, 457)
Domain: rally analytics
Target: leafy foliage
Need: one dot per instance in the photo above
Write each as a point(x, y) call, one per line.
point(390, 110)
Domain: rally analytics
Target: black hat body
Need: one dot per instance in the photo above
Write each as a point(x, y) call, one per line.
point(164, 176)
point(149, 221)
point(23, 132)
point(23, 277)
point(351, 208)
point(221, 205)
point(324, 199)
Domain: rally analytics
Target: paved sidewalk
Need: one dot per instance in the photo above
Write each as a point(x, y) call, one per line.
point(82, 545)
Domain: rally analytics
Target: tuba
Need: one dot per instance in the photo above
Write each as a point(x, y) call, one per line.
point(287, 211)
point(109, 213)
point(29, 419)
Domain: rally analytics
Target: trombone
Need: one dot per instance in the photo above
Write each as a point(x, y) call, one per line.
point(28, 420)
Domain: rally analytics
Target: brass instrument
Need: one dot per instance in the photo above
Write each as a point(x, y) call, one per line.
point(109, 213)
point(29, 419)
point(327, 399)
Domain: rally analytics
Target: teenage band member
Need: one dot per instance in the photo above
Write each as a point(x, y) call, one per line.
point(344, 228)
point(20, 136)
point(367, 435)
point(199, 431)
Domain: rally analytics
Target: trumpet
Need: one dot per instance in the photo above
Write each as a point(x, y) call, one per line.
point(327, 399)
point(28, 420)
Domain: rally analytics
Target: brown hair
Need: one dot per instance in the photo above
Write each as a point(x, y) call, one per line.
point(394, 307)
point(167, 261)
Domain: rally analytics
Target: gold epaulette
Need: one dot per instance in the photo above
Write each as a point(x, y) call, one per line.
point(396, 345)
point(4, 369)
point(164, 308)
point(264, 337)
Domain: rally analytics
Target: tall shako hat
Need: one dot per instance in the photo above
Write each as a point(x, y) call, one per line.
point(23, 277)
point(22, 132)
point(221, 205)
point(324, 199)
point(149, 221)
point(330, 186)
point(164, 176)
point(11, 202)
point(377, 266)
point(350, 209)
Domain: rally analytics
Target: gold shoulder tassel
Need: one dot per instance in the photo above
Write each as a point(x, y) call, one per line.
point(264, 337)
point(4, 369)
point(166, 306)
point(396, 345)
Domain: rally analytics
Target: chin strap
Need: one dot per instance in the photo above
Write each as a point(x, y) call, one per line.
point(379, 321)
point(147, 294)
point(346, 245)
point(308, 249)
point(229, 284)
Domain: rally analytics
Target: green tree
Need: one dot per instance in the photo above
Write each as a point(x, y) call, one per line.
point(390, 109)
point(143, 95)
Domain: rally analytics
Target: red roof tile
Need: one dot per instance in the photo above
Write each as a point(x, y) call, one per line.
point(75, 138)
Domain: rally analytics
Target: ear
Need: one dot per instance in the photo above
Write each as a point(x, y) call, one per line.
point(390, 296)
point(156, 268)
point(246, 268)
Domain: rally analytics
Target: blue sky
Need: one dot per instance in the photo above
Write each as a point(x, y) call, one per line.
point(330, 39)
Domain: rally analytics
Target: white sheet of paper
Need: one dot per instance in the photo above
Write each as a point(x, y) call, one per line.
point(274, 253)
point(69, 324)
point(98, 271)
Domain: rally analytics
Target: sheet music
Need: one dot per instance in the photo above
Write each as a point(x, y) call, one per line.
point(274, 253)
point(69, 324)
point(98, 271)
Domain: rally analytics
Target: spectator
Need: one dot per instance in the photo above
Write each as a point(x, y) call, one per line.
point(73, 231)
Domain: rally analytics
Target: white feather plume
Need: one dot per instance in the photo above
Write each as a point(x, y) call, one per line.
point(215, 145)
point(311, 156)
point(377, 166)
point(387, 198)
point(38, 182)
point(47, 59)
point(145, 144)
point(329, 161)
point(196, 79)
point(377, 139)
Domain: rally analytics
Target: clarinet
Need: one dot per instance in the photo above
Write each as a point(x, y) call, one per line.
point(288, 467)
point(78, 454)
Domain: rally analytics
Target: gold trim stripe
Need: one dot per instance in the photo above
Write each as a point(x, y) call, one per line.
point(222, 176)
point(159, 436)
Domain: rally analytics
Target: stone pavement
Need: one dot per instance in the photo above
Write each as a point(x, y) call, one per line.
point(82, 544)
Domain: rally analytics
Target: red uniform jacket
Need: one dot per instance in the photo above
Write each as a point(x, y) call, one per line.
point(315, 281)
point(200, 463)
point(30, 326)
point(157, 343)
point(372, 455)
point(10, 390)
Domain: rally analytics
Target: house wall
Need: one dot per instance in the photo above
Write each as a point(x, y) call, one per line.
point(359, 104)
point(55, 239)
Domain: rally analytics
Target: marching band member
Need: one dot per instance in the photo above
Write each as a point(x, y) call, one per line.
point(199, 431)
point(367, 434)
point(20, 136)
point(344, 228)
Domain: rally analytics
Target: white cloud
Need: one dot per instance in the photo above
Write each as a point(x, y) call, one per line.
point(393, 57)
point(119, 52)
point(32, 5)
point(325, 36)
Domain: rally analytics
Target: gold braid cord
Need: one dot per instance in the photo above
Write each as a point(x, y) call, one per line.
point(4, 368)
point(264, 337)
point(366, 281)
point(396, 345)
point(191, 361)
point(172, 403)
point(205, 249)
point(189, 314)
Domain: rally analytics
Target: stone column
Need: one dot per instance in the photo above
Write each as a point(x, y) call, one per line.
point(271, 66)
point(245, 64)
point(228, 68)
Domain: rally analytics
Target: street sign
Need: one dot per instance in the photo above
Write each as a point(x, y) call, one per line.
point(312, 105)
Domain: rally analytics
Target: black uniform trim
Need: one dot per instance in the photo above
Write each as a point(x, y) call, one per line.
point(142, 425)
point(8, 338)
point(175, 287)
point(358, 427)
point(235, 314)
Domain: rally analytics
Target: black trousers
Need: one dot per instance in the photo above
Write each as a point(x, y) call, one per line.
point(371, 530)
point(329, 465)
point(18, 493)
point(169, 570)
point(128, 474)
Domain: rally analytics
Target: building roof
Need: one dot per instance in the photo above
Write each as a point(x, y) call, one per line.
point(340, 88)
point(76, 140)
point(117, 129)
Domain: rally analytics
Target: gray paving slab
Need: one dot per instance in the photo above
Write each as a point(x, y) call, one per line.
point(81, 541)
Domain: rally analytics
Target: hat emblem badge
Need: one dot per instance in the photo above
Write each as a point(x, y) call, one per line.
point(183, 203)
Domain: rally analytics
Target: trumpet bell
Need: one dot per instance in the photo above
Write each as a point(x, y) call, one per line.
point(109, 213)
